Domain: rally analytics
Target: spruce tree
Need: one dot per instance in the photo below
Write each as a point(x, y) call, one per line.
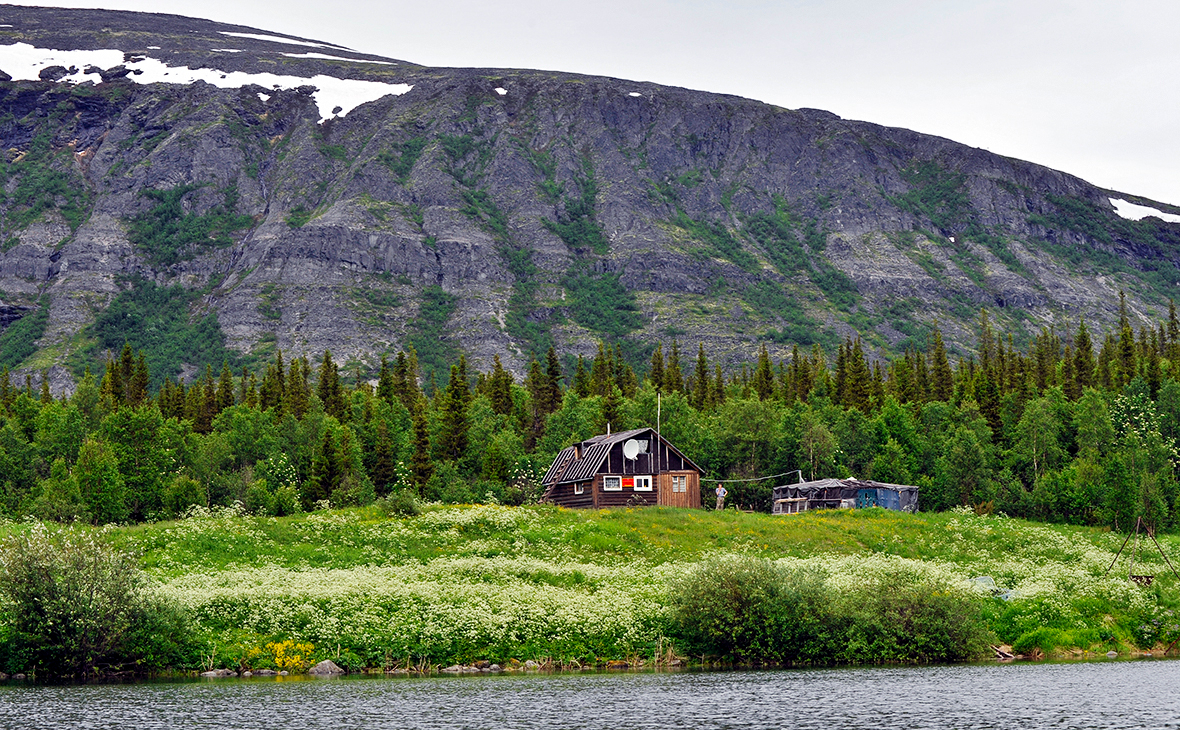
point(421, 466)
point(46, 395)
point(857, 386)
point(1127, 364)
point(553, 376)
point(700, 381)
point(328, 388)
point(611, 410)
point(326, 472)
point(763, 376)
point(225, 388)
point(942, 379)
point(673, 377)
point(453, 438)
point(1083, 359)
point(581, 379)
point(138, 383)
point(385, 383)
point(656, 371)
point(500, 388)
point(536, 384)
point(1173, 346)
point(297, 394)
point(384, 471)
point(601, 372)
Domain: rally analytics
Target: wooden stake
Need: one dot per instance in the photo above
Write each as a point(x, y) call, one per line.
point(1116, 555)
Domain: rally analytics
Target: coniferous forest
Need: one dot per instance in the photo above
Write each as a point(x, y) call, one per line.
point(1078, 427)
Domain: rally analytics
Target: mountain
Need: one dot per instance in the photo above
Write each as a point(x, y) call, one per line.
point(208, 191)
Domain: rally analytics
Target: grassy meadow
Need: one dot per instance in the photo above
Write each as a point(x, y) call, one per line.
point(460, 583)
point(463, 583)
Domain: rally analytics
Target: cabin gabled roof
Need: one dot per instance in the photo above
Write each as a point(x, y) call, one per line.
point(567, 468)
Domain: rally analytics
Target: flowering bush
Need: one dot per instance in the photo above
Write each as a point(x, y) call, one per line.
point(76, 606)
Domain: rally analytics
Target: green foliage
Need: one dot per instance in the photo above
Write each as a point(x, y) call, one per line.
point(378, 297)
point(41, 187)
point(1084, 217)
point(76, 606)
point(782, 235)
point(600, 303)
point(577, 225)
point(467, 157)
point(19, 340)
point(157, 320)
point(429, 335)
point(400, 503)
point(718, 238)
point(940, 196)
point(750, 610)
point(168, 233)
point(268, 299)
point(519, 259)
point(936, 194)
point(402, 156)
point(299, 217)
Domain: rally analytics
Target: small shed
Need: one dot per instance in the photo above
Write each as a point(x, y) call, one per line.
point(629, 468)
point(843, 494)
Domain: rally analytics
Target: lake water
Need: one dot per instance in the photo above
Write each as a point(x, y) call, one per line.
point(1114, 694)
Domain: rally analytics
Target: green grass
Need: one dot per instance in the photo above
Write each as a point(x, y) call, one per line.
point(359, 536)
point(458, 583)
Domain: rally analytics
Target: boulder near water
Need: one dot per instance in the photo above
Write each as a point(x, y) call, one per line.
point(326, 668)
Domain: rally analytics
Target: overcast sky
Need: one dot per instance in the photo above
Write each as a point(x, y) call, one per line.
point(1086, 87)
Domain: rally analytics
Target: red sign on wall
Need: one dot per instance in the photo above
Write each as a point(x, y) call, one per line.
point(628, 482)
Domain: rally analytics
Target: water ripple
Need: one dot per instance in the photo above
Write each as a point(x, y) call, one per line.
point(1087, 695)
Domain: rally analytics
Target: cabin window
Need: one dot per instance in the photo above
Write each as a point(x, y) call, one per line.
point(612, 484)
point(579, 488)
point(679, 484)
point(642, 484)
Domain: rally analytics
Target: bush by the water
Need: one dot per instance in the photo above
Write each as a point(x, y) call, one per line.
point(75, 606)
point(749, 610)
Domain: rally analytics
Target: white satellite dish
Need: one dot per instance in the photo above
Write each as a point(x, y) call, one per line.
point(631, 449)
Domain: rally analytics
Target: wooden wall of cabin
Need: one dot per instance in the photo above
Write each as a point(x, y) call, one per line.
point(691, 497)
point(563, 494)
point(627, 497)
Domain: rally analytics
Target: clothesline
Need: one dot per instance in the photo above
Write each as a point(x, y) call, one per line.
point(754, 479)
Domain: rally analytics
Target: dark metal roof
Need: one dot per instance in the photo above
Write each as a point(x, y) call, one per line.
point(566, 468)
point(559, 464)
point(586, 467)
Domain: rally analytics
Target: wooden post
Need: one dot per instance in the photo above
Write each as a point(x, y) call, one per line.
point(1116, 555)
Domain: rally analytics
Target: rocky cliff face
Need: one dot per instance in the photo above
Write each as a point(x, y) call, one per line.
point(160, 170)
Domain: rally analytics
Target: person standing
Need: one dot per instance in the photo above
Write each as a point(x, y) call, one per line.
point(721, 492)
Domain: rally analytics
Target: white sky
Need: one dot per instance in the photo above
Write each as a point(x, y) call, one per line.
point(1087, 87)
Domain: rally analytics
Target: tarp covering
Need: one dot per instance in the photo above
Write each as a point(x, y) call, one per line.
point(834, 493)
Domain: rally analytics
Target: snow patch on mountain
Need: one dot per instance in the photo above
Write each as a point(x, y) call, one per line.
point(1135, 212)
point(280, 39)
point(24, 62)
point(326, 57)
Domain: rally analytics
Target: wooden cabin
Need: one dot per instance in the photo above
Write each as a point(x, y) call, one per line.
point(629, 468)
